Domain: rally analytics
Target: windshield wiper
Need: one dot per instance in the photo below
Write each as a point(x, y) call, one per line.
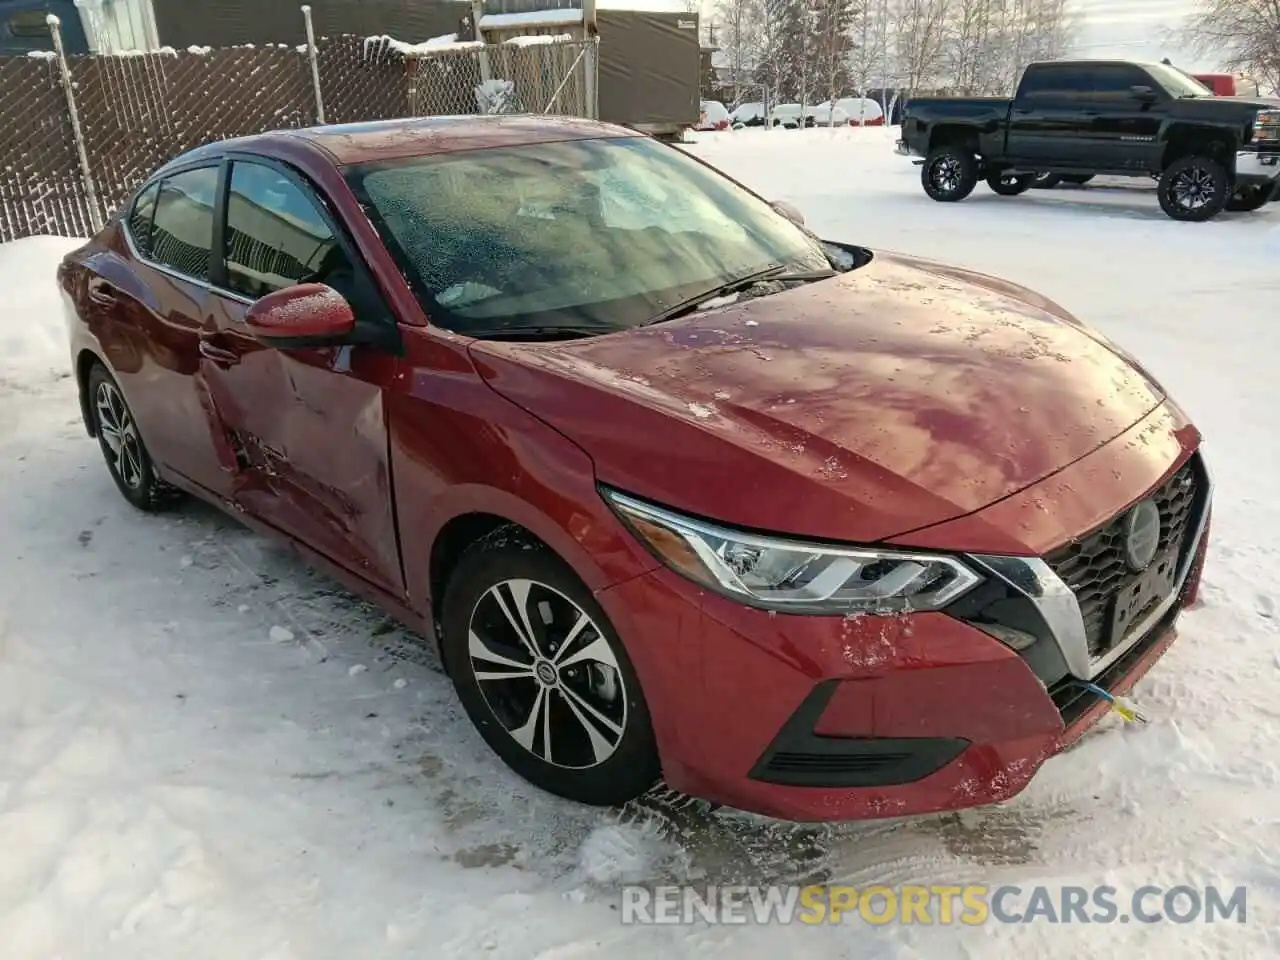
point(768, 275)
point(549, 332)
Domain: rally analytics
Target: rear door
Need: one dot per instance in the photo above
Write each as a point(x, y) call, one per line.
point(308, 424)
point(149, 315)
point(1047, 116)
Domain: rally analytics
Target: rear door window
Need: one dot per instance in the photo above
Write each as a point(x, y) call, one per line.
point(182, 231)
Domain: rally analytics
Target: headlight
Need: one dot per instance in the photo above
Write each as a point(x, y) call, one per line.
point(793, 576)
point(1266, 125)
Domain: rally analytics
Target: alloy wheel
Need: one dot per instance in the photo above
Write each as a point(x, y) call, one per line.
point(946, 174)
point(119, 435)
point(1192, 188)
point(548, 674)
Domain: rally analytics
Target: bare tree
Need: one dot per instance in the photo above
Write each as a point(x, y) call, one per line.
point(971, 45)
point(741, 36)
point(864, 57)
point(835, 18)
point(921, 42)
point(1243, 35)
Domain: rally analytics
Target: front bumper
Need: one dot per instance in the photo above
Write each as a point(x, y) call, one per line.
point(1258, 167)
point(820, 718)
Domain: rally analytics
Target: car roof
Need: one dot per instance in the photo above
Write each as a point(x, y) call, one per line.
point(352, 143)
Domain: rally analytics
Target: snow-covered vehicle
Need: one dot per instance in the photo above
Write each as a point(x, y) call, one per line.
point(862, 111)
point(712, 116)
point(788, 116)
point(747, 115)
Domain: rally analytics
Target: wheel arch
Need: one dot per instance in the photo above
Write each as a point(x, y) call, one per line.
point(86, 359)
point(953, 135)
point(1185, 140)
point(474, 512)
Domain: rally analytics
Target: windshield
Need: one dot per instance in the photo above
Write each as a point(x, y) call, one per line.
point(600, 234)
point(1176, 83)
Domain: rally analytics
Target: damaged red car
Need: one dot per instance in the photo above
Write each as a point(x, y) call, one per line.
point(682, 491)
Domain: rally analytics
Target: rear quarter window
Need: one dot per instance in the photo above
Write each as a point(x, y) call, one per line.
point(138, 223)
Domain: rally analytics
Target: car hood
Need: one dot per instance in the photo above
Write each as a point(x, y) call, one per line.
point(894, 397)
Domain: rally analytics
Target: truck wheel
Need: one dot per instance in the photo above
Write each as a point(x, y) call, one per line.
point(1046, 181)
point(1008, 185)
point(949, 173)
point(1078, 179)
point(1194, 189)
point(1248, 199)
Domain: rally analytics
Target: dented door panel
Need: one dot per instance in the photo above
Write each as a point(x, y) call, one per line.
point(309, 433)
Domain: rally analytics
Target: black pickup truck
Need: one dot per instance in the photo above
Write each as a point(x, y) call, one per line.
point(1072, 119)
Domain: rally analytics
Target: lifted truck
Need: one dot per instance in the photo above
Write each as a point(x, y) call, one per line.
point(1073, 119)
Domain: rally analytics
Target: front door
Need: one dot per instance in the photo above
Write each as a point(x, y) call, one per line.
point(308, 425)
point(1122, 129)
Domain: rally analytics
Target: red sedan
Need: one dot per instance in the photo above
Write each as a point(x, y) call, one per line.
point(683, 491)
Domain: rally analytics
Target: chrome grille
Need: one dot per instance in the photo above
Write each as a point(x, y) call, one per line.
point(1094, 567)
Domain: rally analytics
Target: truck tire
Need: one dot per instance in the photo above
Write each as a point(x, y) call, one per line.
point(1008, 185)
point(1046, 181)
point(1248, 199)
point(1194, 189)
point(949, 173)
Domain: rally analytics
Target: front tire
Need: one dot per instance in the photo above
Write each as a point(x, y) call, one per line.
point(1194, 189)
point(544, 676)
point(1077, 179)
point(1046, 181)
point(1248, 199)
point(126, 455)
point(949, 173)
point(1007, 185)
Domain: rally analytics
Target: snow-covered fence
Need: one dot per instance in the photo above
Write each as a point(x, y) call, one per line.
point(138, 110)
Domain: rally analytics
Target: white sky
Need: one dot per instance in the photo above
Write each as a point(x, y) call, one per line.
point(1136, 29)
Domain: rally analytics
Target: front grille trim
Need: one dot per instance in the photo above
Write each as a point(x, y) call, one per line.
point(1035, 581)
point(1093, 564)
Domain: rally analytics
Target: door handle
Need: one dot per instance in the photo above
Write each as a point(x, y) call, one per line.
point(217, 355)
point(102, 292)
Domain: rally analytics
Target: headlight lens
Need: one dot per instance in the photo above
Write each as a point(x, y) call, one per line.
point(792, 576)
point(1266, 125)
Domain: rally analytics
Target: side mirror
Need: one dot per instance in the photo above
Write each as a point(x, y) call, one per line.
point(1143, 92)
point(307, 315)
point(789, 211)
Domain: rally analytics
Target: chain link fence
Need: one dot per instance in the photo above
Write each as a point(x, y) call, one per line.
point(535, 74)
point(136, 111)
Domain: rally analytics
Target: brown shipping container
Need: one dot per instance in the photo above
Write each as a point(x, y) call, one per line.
point(649, 69)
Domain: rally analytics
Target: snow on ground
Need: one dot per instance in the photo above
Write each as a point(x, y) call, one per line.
point(210, 752)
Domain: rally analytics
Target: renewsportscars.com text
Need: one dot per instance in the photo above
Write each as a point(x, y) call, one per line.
point(971, 905)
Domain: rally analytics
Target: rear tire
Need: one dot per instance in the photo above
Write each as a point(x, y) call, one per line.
point(128, 462)
point(949, 173)
point(1194, 189)
point(1248, 199)
point(543, 675)
point(1010, 186)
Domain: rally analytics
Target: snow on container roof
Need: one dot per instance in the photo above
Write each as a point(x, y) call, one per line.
point(507, 7)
